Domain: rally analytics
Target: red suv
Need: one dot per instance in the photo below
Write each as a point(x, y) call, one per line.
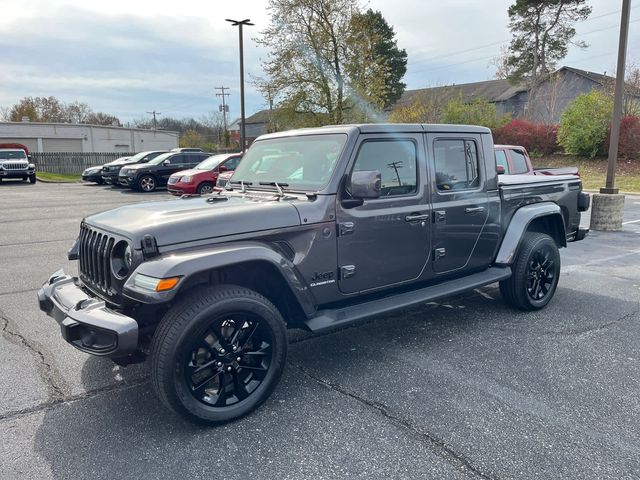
point(202, 178)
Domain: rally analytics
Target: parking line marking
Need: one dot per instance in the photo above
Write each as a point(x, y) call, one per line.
point(631, 221)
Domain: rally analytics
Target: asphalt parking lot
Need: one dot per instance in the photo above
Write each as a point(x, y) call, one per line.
point(466, 388)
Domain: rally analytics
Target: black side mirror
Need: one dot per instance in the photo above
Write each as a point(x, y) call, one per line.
point(366, 184)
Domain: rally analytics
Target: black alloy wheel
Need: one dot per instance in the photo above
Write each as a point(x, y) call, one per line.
point(229, 361)
point(540, 273)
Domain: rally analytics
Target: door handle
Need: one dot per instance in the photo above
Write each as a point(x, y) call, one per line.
point(473, 210)
point(417, 217)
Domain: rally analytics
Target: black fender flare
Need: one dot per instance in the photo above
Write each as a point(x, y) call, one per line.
point(188, 264)
point(519, 224)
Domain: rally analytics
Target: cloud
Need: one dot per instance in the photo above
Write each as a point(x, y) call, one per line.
point(74, 53)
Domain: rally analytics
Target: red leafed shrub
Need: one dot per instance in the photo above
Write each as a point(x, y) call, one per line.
point(535, 137)
point(629, 143)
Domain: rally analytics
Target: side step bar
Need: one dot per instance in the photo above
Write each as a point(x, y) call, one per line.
point(328, 319)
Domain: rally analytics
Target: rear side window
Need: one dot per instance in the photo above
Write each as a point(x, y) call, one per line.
point(501, 159)
point(396, 160)
point(519, 162)
point(456, 164)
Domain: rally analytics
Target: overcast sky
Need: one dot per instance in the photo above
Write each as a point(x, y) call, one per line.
point(128, 57)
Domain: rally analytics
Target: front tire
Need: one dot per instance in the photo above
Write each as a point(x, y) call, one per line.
point(218, 354)
point(536, 271)
point(205, 188)
point(32, 178)
point(147, 183)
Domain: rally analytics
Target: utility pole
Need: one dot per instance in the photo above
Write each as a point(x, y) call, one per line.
point(224, 107)
point(608, 205)
point(240, 24)
point(155, 123)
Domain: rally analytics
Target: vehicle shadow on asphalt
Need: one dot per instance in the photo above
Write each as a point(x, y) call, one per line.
point(16, 183)
point(126, 431)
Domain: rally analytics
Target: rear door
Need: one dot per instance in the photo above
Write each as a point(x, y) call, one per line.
point(459, 200)
point(385, 241)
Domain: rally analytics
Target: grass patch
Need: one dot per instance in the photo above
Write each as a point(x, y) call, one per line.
point(594, 171)
point(57, 177)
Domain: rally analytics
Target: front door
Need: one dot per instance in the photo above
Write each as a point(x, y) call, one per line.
point(460, 201)
point(385, 241)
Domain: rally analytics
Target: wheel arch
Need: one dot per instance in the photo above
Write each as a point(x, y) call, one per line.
point(543, 217)
point(250, 265)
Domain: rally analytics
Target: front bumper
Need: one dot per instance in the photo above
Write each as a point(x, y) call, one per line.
point(86, 322)
point(126, 181)
point(93, 177)
point(110, 178)
point(16, 173)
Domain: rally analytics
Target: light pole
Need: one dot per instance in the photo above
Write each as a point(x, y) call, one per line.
point(239, 24)
point(607, 206)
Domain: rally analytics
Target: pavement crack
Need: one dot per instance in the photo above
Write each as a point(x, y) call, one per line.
point(429, 439)
point(73, 398)
point(48, 372)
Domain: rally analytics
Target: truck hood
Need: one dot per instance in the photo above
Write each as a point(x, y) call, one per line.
point(191, 219)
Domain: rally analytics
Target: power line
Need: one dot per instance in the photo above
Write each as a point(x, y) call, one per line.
point(464, 62)
point(481, 47)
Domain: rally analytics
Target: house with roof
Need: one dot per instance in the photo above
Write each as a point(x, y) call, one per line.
point(545, 104)
point(255, 125)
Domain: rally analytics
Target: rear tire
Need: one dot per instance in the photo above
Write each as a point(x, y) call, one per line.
point(218, 354)
point(536, 271)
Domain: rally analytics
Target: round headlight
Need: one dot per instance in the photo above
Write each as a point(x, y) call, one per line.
point(128, 257)
point(119, 264)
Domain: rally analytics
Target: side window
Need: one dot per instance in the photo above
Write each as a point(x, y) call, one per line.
point(176, 160)
point(519, 162)
point(501, 159)
point(232, 163)
point(456, 164)
point(396, 160)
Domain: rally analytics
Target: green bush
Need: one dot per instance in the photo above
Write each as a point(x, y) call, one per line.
point(479, 112)
point(584, 124)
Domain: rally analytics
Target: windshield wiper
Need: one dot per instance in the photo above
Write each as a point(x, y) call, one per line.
point(242, 184)
point(277, 185)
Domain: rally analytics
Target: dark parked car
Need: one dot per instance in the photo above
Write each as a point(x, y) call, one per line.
point(111, 170)
point(340, 224)
point(93, 174)
point(202, 179)
point(155, 173)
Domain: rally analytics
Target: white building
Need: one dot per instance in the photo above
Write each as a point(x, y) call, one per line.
point(77, 138)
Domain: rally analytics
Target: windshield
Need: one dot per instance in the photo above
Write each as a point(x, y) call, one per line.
point(211, 162)
point(161, 158)
point(301, 162)
point(13, 155)
point(137, 157)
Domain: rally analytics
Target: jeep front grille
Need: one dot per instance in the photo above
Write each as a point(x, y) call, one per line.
point(15, 165)
point(95, 258)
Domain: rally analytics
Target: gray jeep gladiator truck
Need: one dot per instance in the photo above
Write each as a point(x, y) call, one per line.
point(317, 229)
